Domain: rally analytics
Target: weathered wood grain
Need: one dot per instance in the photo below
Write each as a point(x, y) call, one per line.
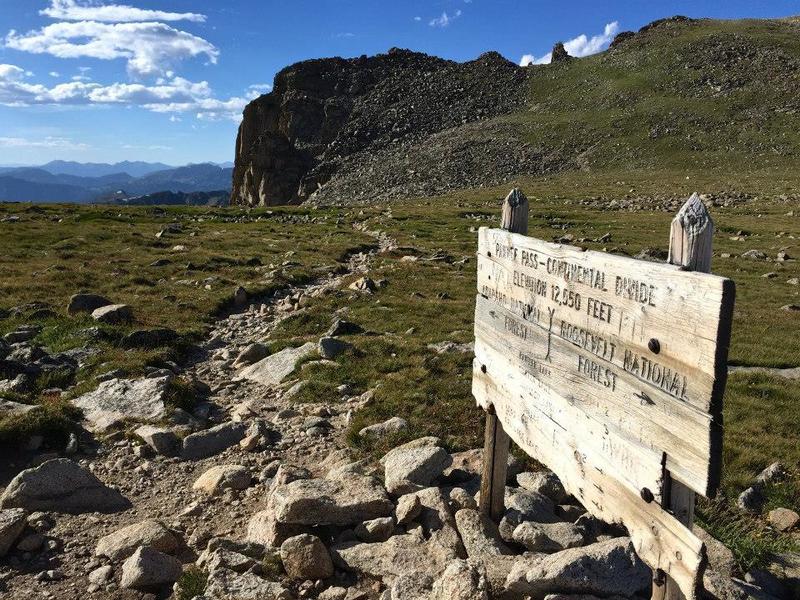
point(633, 304)
point(659, 539)
point(638, 466)
point(691, 237)
point(647, 418)
point(496, 442)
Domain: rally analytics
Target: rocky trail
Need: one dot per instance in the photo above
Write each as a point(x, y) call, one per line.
point(250, 495)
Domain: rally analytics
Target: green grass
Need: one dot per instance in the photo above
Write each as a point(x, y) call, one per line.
point(750, 540)
point(191, 583)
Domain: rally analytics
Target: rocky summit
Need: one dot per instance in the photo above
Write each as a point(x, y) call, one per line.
point(327, 118)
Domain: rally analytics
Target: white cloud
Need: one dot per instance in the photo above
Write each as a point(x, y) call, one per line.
point(149, 48)
point(54, 74)
point(578, 46)
point(444, 20)
point(72, 10)
point(176, 95)
point(418, 18)
point(47, 142)
point(255, 90)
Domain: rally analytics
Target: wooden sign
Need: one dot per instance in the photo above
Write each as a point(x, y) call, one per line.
point(610, 371)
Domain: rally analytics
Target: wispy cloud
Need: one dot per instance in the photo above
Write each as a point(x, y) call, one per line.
point(444, 20)
point(72, 10)
point(176, 95)
point(581, 45)
point(149, 48)
point(47, 142)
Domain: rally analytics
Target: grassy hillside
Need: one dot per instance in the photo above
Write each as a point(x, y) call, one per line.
point(717, 100)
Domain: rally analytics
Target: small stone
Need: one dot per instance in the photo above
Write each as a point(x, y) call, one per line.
point(113, 314)
point(774, 472)
point(388, 427)
point(330, 347)
point(414, 466)
point(460, 498)
point(548, 537)
point(479, 535)
point(212, 441)
point(88, 303)
point(754, 255)
point(148, 568)
point(305, 557)
point(751, 500)
point(222, 477)
point(546, 483)
point(161, 439)
point(461, 580)
point(363, 284)
point(253, 353)
point(101, 575)
point(12, 523)
point(783, 519)
point(122, 543)
point(375, 530)
point(408, 508)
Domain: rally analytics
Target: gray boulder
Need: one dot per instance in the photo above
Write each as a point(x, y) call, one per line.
point(149, 338)
point(61, 485)
point(411, 586)
point(375, 530)
point(148, 568)
point(270, 371)
point(751, 500)
point(522, 505)
point(346, 500)
point(86, 303)
point(388, 427)
point(603, 569)
point(123, 542)
point(253, 353)
point(414, 466)
point(116, 400)
point(161, 439)
point(548, 537)
point(113, 314)
point(212, 441)
point(479, 535)
point(306, 557)
point(222, 477)
point(545, 483)
point(331, 347)
point(397, 556)
point(461, 580)
point(262, 528)
point(12, 522)
point(438, 522)
point(224, 584)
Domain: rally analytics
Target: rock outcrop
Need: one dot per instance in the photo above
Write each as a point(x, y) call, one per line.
point(326, 118)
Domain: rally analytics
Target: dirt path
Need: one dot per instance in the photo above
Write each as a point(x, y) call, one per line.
point(161, 488)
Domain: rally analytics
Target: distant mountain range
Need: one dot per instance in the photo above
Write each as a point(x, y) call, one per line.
point(64, 181)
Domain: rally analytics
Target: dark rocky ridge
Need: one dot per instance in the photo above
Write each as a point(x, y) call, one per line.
point(330, 123)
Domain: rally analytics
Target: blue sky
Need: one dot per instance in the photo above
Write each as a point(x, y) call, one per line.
point(166, 80)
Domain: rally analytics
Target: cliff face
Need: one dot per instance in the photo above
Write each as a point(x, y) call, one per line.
point(328, 118)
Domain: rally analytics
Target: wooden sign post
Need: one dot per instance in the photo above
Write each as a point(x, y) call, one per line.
point(610, 371)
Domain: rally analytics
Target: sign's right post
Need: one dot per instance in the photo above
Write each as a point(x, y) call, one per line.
point(691, 236)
